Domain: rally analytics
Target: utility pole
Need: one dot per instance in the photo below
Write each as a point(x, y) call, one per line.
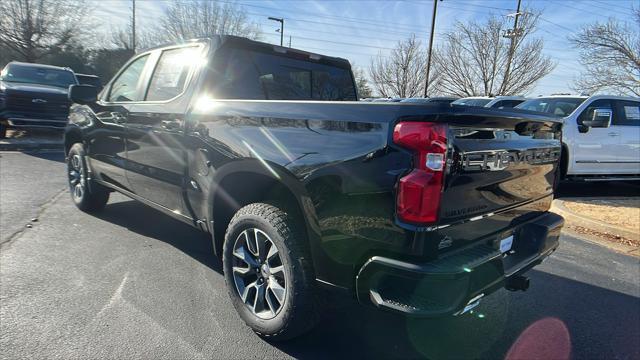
point(133, 27)
point(513, 35)
point(433, 27)
point(281, 21)
point(289, 40)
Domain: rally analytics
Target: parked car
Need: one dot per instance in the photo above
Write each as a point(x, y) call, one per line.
point(34, 96)
point(93, 80)
point(410, 209)
point(438, 100)
point(505, 102)
point(498, 102)
point(601, 137)
point(473, 101)
point(387, 100)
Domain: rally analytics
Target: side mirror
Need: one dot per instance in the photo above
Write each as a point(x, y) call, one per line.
point(601, 118)
point(83, 94)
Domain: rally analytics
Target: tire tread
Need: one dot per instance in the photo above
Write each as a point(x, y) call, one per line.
point(305, 308)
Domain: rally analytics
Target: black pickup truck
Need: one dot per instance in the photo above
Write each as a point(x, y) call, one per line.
point(34, 96)
point(412, 208)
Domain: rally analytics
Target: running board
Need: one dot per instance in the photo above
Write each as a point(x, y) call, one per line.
point(594, 179)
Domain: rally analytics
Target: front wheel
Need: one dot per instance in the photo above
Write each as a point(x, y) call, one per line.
point(88, 196)
point(268, 272)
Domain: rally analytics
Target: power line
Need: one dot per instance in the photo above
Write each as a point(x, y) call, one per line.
point(331, 42)
point(375, 23)
point(303, 29)
point(609, 7)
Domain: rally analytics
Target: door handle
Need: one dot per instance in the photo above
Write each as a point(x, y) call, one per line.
point(613, 134)
point(170, 124)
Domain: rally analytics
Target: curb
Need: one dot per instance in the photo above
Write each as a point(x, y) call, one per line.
point(597, 225)
point(574, 219)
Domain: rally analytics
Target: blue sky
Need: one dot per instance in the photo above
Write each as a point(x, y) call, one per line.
point(359, 30)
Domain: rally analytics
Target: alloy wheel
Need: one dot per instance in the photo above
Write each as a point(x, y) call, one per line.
point(77, 177)
point(258, 273)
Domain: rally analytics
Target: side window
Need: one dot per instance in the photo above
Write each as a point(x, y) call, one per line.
point(170, 75)
point(627, 113)
point(499, 104)
point(125, 87)
point(587, 114)
point(512, 103)
point(235, 76)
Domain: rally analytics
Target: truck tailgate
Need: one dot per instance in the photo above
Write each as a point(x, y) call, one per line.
point(501, 170)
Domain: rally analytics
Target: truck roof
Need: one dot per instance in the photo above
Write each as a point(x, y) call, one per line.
point(40, 66)
point(221, 40)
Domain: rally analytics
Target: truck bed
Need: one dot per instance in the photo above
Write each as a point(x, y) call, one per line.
point(501, 170)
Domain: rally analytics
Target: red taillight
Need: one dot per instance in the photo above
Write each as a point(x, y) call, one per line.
point(419, 192)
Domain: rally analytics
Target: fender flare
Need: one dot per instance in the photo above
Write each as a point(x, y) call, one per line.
point(276, 173)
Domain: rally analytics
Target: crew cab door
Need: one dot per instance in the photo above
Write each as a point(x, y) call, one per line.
point(106, 140)
point(597, 150)
point(627, 122)
point(155, 130)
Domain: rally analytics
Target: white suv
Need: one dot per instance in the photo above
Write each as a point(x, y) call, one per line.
point(601, 135)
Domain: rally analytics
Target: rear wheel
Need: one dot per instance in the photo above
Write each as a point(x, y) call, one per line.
point(87, 195)
point(268, 272)
point(3, 131)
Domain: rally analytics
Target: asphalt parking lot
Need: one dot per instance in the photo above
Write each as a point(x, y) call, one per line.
point(132, 283)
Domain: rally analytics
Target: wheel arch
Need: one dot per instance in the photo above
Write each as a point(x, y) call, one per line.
point(247, 181)
point(564, 161)
point(72, 135)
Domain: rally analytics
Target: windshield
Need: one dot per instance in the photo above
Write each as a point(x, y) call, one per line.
point(472, 102)
point(36, 75)
point(554, 106)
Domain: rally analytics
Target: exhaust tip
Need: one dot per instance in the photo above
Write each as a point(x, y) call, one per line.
point(516, 283)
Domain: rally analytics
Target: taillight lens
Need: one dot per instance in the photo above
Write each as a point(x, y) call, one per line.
point(419, 192)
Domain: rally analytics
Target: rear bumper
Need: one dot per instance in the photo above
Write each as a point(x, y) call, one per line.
point(447, 285)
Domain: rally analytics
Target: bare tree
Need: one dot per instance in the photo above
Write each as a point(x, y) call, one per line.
point(33, 29)
point(402, 73)
point(610, 53)
point(121, 38)
point(362, 84)
point(186, 19)
point(473, 59)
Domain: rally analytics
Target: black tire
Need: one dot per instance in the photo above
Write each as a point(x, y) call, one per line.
point(86, 194)
point(3, 131)
point(299, 311)
point(564, 164)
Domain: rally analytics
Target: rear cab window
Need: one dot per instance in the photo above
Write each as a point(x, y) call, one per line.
point(262, 75)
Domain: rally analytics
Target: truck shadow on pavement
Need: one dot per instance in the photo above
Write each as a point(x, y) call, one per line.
point(558, 317)
point(137, 218)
